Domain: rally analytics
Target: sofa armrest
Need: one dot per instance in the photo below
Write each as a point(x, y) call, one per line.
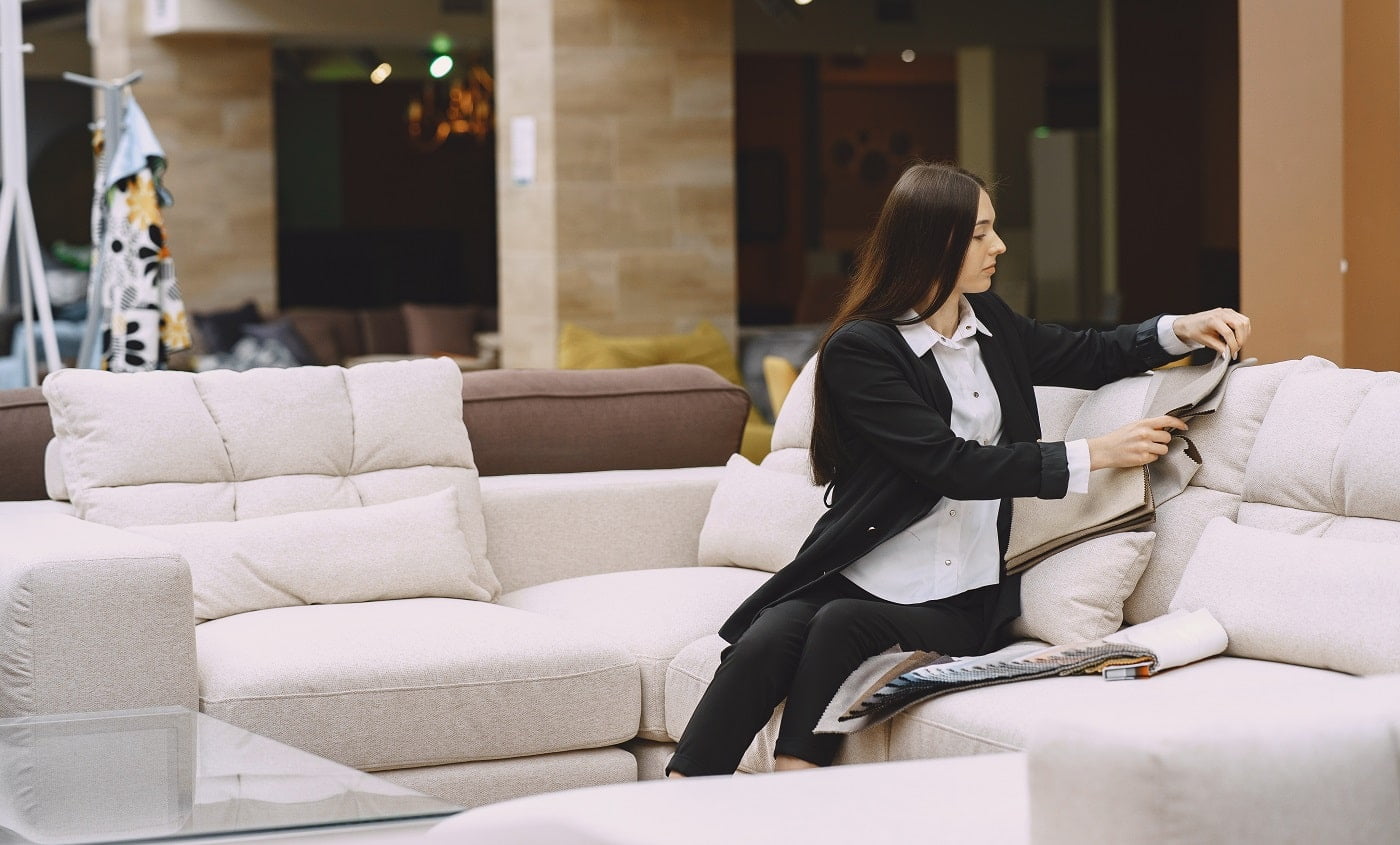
point(93, 618)
point(548, 527)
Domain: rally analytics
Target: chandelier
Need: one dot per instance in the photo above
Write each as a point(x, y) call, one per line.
point(463, 107)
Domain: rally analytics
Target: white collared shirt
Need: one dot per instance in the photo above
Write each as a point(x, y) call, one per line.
point(955, 548)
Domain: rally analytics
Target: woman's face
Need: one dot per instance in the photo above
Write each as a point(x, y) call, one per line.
point(980, 262)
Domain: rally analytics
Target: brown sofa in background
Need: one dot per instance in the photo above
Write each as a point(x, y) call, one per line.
point(520, 421)
point(339, 335)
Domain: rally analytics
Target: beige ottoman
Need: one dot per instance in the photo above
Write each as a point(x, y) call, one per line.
point(968, 799)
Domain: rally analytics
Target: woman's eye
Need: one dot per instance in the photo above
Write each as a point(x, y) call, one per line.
point(978, 237)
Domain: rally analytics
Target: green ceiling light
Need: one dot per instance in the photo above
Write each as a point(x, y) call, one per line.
point(1042, 132)
point(441, 44)
point(440, 66)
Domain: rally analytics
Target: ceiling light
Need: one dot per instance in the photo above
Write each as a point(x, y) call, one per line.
point(802, 2)
point(381, 72)
point(440, 67)
point(908, 56)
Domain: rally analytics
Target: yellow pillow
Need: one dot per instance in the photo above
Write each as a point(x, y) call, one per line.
point(779, 374)
point(584, 349)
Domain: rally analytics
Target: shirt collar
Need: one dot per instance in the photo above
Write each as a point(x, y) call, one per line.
point(921, 337)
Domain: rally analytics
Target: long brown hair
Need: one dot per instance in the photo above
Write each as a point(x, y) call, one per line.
point(916, 248)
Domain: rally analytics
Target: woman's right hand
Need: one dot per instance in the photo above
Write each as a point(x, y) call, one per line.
point(1135, 444)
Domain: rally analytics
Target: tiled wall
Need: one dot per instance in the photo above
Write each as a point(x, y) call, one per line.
point(629, 227)
point(209, 100)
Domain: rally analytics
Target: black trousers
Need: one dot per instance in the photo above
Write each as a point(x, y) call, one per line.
point(803, 649)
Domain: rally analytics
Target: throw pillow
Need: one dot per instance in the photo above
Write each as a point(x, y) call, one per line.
point(778, 375)
point(1077, 595)
point(218, 331)
point(1310, 601)
point(282, 331)
point(440, 329)
point(759, 516)
point(583, 349)
point(406, 549)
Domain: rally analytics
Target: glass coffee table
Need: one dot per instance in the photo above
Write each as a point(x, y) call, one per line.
point(171, 773)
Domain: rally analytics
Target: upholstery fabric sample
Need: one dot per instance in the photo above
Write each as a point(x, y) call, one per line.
point(1077, 595)
point(1310, 601)
point(759, 517)
point(405, 549)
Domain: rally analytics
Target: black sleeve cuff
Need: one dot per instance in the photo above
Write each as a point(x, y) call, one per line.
point(1146, 346)
point(1054, 470)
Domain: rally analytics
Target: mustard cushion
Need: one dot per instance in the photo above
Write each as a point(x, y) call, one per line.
point(779, 375)
point(584, 349)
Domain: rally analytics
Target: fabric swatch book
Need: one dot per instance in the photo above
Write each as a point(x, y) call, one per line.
point(887, 683)
point(1120, 499)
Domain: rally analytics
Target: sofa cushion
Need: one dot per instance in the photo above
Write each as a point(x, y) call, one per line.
point(415, 682)
point(1328, 445)
point(1077, 595)
point(440, 329)
point(1003, 718)
point(652, 613)
point(793, 427)
point(1178, 526)
point(264, 443)
point(384, 331)
point(688, 677)
point(406, 549)
point(537, 421)
point(759, 516)
point(1312, 601)
point(584, 349)
point(332, 334)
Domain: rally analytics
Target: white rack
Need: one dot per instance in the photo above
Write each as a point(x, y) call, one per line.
point(16, 210)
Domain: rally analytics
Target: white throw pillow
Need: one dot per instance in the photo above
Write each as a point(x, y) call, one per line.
point(1077, 595)
point(759, 517)
point(405, 549)
point(1310, 601)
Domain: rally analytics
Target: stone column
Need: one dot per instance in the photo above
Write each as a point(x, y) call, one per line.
point(628, 226)
point(209, 100)
point(1001, 99)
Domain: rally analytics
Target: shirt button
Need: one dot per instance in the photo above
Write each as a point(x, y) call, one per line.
point(975, 394)
point(952, 513)
point(871, 528)
point(947, 563)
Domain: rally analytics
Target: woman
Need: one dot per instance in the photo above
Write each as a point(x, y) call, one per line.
point(925, 425)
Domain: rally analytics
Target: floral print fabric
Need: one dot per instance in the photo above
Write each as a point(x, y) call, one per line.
point(148, 320)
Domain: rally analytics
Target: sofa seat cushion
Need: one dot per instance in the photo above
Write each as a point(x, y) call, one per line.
point(688, 677)
point(416, 682)
point(651, 613)
point(1003, 718)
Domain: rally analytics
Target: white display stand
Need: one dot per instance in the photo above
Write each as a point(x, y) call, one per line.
point(16, 211)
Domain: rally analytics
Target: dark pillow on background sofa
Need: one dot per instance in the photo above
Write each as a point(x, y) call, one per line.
point(286, 334)
point(440, 329)
point(218, 331)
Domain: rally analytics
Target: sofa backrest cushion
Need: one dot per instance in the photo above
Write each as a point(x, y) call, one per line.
point(170, 447)
point(793, 427)
point(1323, 602)
point(546, 421)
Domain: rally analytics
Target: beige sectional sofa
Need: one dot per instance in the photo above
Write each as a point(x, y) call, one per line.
point(599, 639)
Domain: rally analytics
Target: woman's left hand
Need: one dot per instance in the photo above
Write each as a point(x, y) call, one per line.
point(1223, 329)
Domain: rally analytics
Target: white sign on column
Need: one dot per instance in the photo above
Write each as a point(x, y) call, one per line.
point(522, 150)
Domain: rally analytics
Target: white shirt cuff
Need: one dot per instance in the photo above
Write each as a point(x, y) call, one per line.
point(1077, 453)
point(1167, 337)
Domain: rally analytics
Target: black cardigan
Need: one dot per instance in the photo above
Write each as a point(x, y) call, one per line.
point(900, 457)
